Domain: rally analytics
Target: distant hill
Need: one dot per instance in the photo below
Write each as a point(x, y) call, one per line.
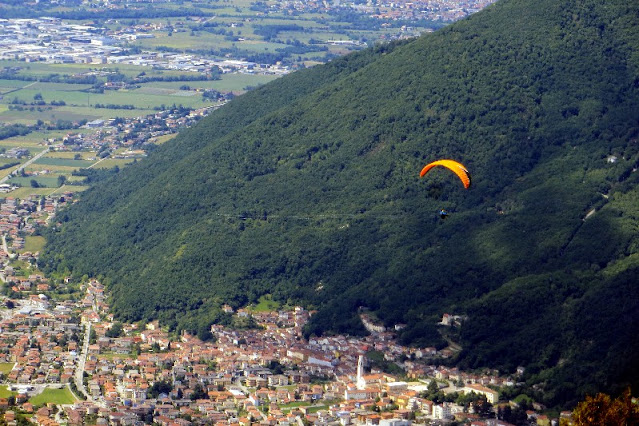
point(308, 189)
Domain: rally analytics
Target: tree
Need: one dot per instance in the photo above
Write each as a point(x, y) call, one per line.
point(603, 410)
point(115, 330)
point(62, 180)
point(432, 386)
point(199, 393)
point(34, 183)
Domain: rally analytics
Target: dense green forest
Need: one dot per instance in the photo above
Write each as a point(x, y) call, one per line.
point(308, 189)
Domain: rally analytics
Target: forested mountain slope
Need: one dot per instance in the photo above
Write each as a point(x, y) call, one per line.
point(308, 189)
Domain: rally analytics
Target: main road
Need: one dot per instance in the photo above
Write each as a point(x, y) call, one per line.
point(27, 163)
point(79, 371)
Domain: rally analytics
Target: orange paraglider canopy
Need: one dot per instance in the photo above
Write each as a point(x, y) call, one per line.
point(457, 168)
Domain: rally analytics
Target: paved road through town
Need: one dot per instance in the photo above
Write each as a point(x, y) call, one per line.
point(79, 371)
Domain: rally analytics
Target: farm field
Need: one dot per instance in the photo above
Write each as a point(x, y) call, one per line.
point(64, 162)
point(49, 181)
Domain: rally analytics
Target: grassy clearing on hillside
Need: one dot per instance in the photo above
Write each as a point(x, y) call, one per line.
point(266, 304)
point(161, 139)
point(33, 243)
point(70, 188)
point(112, 162)
point(54, 396)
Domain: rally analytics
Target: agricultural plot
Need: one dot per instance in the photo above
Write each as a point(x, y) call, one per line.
point(43, 181)
point(236, 83)
point(30, 116)
point(84, 155)
point(27, 191)
point(35, 138)
point(65, 162)
point(6, 85)
point(5, 161)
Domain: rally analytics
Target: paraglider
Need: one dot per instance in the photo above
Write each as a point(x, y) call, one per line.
point(459, 169)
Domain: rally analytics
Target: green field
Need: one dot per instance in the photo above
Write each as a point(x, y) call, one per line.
point(266, 304)
point(49, 161)
point(5, 392)
point(45, 182)
point(112, 162)
point(69, 155)
point(54, 396)
point(27, 191)
point(6, 367)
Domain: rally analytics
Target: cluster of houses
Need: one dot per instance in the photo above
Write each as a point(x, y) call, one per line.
point(266, 376)
point(404, 10)
point(129, 132)
point(19, 218)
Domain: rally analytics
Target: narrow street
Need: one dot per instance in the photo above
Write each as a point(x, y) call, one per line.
point(82, 357)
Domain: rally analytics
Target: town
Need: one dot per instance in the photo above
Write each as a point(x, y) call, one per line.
point(268, 374)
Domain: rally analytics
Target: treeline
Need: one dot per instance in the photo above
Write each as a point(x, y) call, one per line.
point(114, 106)
point(12, 130)
point(269, 32)
point(214, 75)
point(51, 78)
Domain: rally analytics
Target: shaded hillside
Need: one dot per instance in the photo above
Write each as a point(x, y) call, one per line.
point(308, 189)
